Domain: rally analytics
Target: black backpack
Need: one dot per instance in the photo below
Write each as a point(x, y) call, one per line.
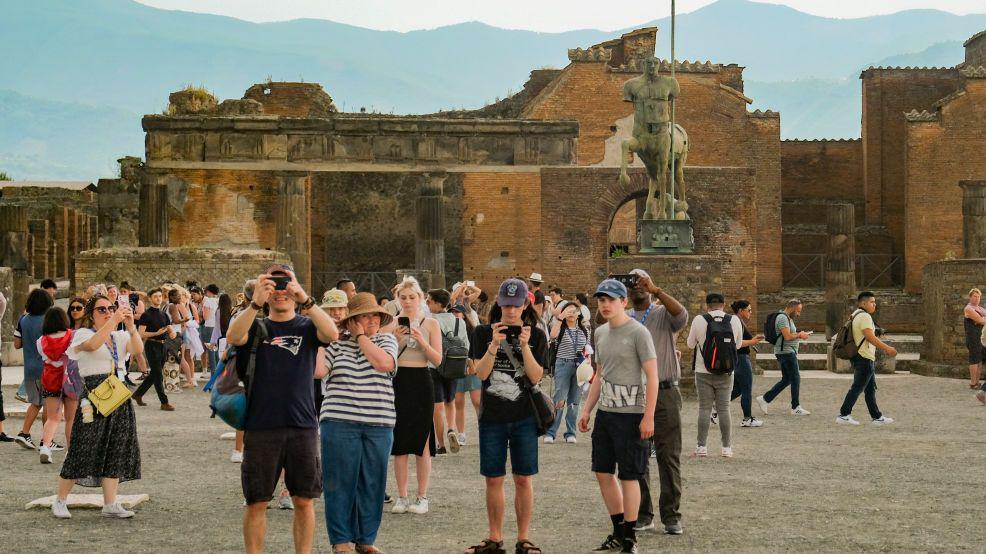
point(719, 350)
point(843, 345)
point(770, 333)
point(455, 354)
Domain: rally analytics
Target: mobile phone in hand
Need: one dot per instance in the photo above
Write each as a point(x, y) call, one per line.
point(629, 281)
point(404, 322)
point(511, 331)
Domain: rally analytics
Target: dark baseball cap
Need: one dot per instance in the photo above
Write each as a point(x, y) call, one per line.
point(513, 292)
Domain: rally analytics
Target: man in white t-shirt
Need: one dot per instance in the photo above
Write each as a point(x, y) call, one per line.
point(210, 318)
point(864, 334)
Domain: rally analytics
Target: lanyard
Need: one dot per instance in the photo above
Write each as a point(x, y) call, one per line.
point(633, 314)
point(111, 346)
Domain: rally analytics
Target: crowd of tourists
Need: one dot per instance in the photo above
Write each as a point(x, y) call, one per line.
point(341, 390)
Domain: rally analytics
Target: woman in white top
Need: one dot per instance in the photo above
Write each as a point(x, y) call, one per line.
point(105, 451)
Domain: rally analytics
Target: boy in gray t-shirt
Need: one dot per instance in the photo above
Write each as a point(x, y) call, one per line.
point(626, 389)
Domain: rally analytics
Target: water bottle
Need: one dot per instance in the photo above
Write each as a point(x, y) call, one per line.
point(86, 410)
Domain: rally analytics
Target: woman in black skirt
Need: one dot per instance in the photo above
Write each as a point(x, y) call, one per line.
point(419, 343)
point(103, 452)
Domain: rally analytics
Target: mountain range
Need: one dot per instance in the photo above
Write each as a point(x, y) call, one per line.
point(75, 76)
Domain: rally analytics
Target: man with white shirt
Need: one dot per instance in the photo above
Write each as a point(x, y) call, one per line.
point(210, 313)
point(713, 370)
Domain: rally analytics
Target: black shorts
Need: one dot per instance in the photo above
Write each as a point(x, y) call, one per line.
point(266, 453)
point(616, 442)
point(444, 388)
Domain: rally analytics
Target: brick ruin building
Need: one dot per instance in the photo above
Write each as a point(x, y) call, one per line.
point(529, 184)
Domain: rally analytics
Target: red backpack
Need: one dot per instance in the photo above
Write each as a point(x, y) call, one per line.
point(54, 349)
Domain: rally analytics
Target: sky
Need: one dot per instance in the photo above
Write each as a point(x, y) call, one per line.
point(534, 15)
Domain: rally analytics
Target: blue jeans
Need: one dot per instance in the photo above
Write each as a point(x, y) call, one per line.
point(206, 336)
point(743, 384)
point(354, 475)
point(863, 381)
point(567, 389)
point(519, 437)
point(790, 375)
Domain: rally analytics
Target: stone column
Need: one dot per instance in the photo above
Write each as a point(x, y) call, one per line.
point(153, 221)
point(840, 265)
point(429, 243)
point(38, 228)
point(14, 253)
point(60, 216)
point(293, 222)
point(974, 218)
point(72, 237)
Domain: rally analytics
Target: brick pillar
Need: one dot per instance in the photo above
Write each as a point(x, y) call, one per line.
point(429, 244)
point(974, 218)
point(93, 232)
point(38, 228)
point(153, 222)
point(840, 265)
point(72, 238)
point(60, 217)
point(14, 253)
point(293, 223)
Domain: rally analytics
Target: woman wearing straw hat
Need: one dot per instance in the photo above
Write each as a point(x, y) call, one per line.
point(357, 421)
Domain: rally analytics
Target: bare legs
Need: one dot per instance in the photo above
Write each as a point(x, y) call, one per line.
point(69, 406)
point(422, 465)
point(974, 374)
point(620, 496)
point(53, 407)
point(460, 407)
point(449, 415)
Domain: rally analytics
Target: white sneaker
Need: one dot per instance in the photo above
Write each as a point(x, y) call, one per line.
point(236, 457)
point(45, 451)
point(727, 452)
point(800, 411)
point(884, 420)
point(846, 420)
point(453, 442)
point(285, 502)
point(400, 505)
point(115, 510)
point(571, 439)
point(420, 506)
point(762, 403)
point(548, 439)
point(701, 451)
point(752, 422)
point(59, 508)
point(462, 439)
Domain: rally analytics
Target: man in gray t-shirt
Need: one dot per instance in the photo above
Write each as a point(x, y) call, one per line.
point(626, 389)
point(786, 352)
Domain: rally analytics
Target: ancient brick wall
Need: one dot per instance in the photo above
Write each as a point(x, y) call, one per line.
point(119, 212)
point(975, 49)
point(147, 267)
point(292, 99)
point(822, 169)
point(946, 290)
point(941, 150)
point(887, 94)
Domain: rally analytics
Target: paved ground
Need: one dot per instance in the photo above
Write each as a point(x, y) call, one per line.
point(797, 484)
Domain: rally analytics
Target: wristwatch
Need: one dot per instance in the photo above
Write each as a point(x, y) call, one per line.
point(256, 306)
point(308, 304)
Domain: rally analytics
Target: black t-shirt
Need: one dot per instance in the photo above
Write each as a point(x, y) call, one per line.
point(503, 401)
point(746, 336)
point(155, 320)
point(282, 394)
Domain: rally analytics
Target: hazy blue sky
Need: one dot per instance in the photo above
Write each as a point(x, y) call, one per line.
point(536, 15)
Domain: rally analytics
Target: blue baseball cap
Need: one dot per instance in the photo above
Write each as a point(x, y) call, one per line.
point(611, 288)
point(513, 292)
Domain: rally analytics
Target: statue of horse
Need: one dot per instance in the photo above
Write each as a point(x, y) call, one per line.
point(655, 153)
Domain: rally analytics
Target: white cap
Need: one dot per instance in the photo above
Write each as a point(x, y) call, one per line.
point(536, 277)
point(584, 372)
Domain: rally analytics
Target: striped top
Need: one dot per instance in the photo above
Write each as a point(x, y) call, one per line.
point(353, 390)
point(571, 342)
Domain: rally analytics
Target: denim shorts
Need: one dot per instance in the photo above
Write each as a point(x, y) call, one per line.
point(520, 437)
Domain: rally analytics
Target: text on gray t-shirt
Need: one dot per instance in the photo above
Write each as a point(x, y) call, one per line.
point(620, 355)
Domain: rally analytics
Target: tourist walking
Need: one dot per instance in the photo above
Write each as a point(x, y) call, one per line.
point(446, 432)
point(510, 356)
point(104, 451)
point(865, 336)
point(786, 346)
point(470, 384)
point(663, 317)
point(743, 374)
point(357, 420)
point(154, 327)
point(572, 349)
point(974, 319)
point(53, 344)
point(626, 389)
point(26, 335)
point(281, 428)
point(419, 343)
point(714, 360)
point(210, 313)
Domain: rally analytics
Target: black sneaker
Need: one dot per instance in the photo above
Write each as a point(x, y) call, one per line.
point(55, 446)
point(441, 451)
point(387, 499)
point(24, 439)
point(611, 544)
point(4, 437)
point(629, 545)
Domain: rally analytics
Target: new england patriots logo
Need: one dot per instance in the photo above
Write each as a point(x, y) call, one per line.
point(291, 344)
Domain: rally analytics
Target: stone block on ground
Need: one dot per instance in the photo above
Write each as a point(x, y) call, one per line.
point(88, 501)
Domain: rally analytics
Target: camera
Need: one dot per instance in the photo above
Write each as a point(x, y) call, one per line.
point(879, 331)
point(628, 280)
point(512, 332)
point(280, 281)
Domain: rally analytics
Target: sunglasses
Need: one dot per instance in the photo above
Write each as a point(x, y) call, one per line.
point(104, 309)
point(76, 308)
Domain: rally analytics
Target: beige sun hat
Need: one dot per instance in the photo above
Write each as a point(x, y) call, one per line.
point(335, 298)
point(366, 303)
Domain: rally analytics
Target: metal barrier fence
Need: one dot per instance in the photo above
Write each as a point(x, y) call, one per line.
point(872, 270)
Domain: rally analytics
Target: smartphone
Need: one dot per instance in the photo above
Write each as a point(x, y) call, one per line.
point(280, 281)
point(470, 283)
point(404, 322)
point(629, 281)
point(511, 331)
point(123, 302)
point(134, 299)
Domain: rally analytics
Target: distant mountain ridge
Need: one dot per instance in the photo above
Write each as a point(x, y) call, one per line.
point(100, 60)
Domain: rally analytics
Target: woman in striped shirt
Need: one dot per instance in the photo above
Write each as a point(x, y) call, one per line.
point(573, 339)
point(357, 425)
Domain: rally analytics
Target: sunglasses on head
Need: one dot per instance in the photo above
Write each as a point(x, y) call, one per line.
point(76, 308)
point(104, 309)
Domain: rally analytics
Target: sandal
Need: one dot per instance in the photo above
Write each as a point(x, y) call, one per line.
point(527, 547)
point(488, 546)
point(367, 549)
point(340, 548)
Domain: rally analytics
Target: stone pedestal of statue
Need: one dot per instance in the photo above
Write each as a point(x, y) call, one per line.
point(665, 236)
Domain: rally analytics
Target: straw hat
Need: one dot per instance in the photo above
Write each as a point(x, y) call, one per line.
point(335, 298)
point(366, 303)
